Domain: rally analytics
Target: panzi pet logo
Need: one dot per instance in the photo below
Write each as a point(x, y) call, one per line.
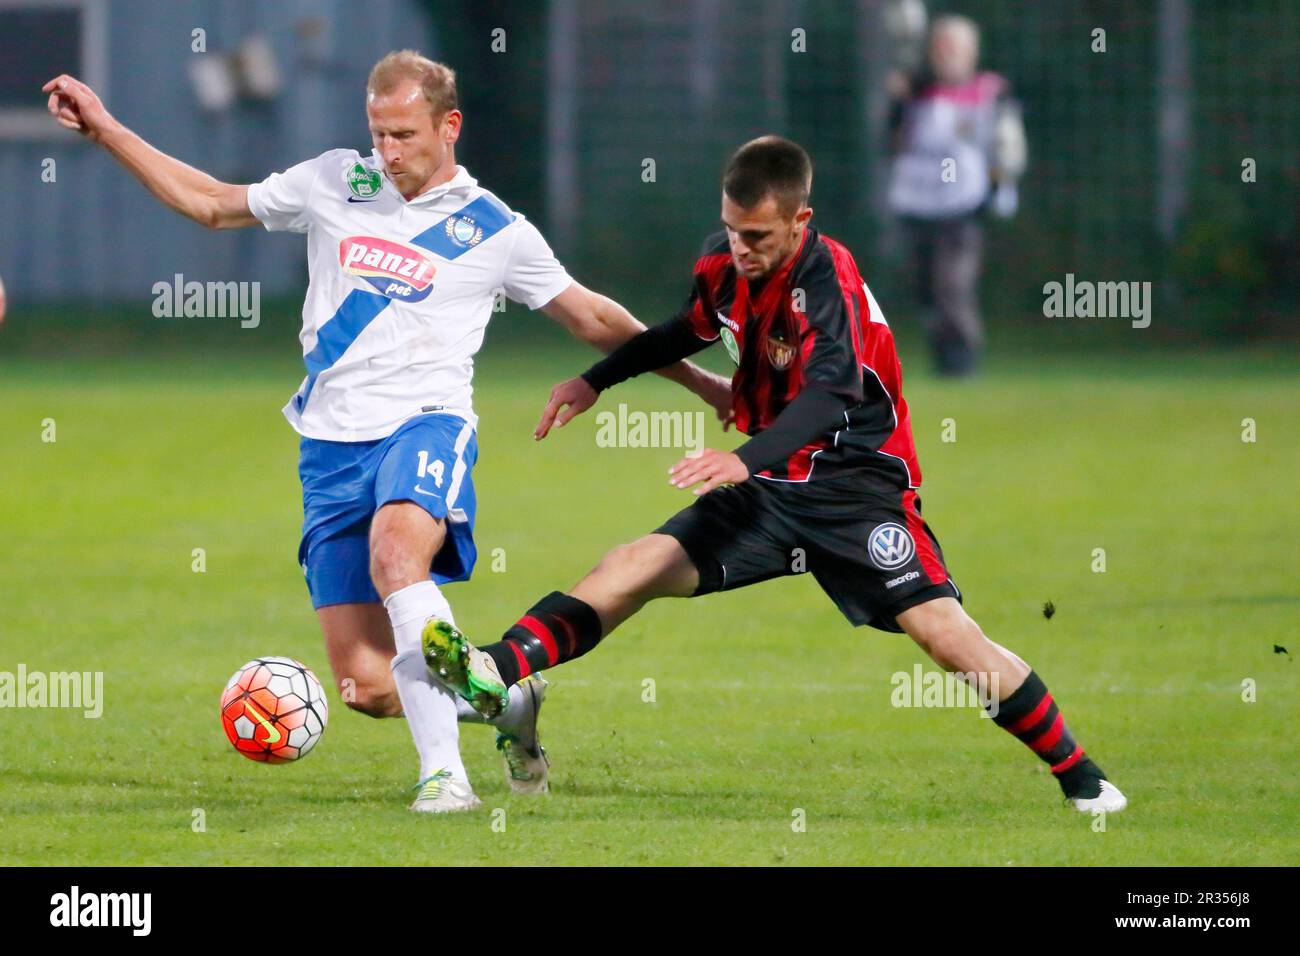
point(399, 271)
point(363, 183)
point(463, 231)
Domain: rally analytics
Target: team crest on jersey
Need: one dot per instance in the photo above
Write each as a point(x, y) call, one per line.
point(363, 183)
point(463, 231)
point(780, 352)
point(890, 546)
point(401, 272)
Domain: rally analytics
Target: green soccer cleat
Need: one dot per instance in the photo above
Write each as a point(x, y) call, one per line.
point(526, 763)
point(454, 661)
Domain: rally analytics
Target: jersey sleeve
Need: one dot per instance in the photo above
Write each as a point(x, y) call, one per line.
point(282, 201)
point(700, 310)
point(830, 340)
point(813, 412)
point(697, 311)
point(656, 347)
point(533, 276)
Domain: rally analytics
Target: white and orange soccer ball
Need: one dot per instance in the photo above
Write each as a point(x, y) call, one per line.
point(274, 710)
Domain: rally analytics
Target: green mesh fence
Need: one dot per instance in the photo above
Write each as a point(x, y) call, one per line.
point(1105, 197)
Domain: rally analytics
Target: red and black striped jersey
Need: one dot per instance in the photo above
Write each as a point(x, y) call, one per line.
point(814, 323)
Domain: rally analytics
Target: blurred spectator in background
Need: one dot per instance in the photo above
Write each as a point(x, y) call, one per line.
point(959, 149)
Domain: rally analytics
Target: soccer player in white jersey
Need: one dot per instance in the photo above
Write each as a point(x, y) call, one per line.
point(405, 253)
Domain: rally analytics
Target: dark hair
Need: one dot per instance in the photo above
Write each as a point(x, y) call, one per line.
point(769, 166)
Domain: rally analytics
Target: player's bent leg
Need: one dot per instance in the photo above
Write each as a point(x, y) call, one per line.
point(1019, 700)
point(359, 642)
point(561, 627)
point(404, 537)
point(949, 635)
point(653, 566)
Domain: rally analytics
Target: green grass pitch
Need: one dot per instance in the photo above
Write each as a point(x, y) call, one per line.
point(766, 701)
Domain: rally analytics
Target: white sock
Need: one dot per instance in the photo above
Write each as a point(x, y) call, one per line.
point(504, 719)
point(430, 708)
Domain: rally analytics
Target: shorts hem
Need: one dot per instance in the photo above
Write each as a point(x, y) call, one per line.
point(886, 619)
point(711, 574)
point(335, 602)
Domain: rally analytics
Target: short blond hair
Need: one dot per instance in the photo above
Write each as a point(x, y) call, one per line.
point(437, 81)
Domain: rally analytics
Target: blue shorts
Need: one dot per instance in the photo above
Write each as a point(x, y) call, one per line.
point(427, 461)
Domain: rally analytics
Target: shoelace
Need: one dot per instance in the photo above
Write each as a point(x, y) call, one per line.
point(434, 780)
point(514, 759)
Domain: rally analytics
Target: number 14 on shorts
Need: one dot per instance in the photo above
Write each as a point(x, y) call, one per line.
point(431, 469)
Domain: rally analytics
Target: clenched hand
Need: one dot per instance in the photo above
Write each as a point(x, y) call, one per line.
point(76, 106)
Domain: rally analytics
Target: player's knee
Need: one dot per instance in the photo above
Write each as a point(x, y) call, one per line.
point(626, 568)
point(944, 648)
point(388, 565)
point(402, 544)
point(394, 564)
point(616, 562)
point(373, 700)
point(945, 632)
point(955, 643)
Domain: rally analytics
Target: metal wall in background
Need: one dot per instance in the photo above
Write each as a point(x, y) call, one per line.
point(94, 234)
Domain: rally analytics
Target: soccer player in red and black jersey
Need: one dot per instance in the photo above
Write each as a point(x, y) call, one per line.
point(830, 468)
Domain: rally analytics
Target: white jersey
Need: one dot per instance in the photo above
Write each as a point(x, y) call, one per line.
point(946, 128)
point(399, 293)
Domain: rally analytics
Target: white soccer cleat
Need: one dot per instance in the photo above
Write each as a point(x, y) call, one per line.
point(526, 765)
point(443, 793)
point(1109, 800)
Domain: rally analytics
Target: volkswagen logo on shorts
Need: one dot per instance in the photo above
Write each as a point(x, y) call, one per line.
point(890, 546)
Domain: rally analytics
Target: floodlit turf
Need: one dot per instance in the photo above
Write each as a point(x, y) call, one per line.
point(765, 702)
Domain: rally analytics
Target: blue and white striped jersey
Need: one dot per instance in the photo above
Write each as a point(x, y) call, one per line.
point(399, 293)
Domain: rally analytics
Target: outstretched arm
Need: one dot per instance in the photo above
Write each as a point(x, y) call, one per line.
point(602, 322)
point(655, 348)
point(189, 191)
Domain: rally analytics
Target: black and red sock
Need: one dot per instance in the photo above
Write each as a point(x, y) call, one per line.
point(556, 629)
point(1031, 715)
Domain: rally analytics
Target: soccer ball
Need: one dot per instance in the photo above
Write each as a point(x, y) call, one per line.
point(274, 710)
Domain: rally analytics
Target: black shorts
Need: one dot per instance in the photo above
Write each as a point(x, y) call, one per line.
point(868, 547)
